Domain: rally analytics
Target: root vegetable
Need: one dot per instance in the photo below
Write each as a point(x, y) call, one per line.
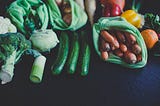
point(116, 43)
point(120, 36)
point(123, 47)
point(139, 58)
point(118, 52)
point(90, 6)
point(112, 46)
point(130, 57)
point(104, 55)
point(107, 37)
point(104, 46)
point(111, 42)
point(130, 38)
point(136, 49)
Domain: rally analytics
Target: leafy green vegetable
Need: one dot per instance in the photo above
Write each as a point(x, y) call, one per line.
point(152, 21)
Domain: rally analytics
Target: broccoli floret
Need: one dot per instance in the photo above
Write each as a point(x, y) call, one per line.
point(10, 42)
point(12, 46)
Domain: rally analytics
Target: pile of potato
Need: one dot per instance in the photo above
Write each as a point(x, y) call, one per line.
point(66, 11)
point(120, 43)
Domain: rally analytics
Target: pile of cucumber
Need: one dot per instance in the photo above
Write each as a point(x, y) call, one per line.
point(74, 51)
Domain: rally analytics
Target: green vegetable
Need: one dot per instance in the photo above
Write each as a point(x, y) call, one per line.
point(37, 69)
point(62, 54)
point(85, 53)
point(38, 65)
point(6, 26)
point(44, 40)
point(73, 53)
point(152, 21)
point(12, 46)
point(28, 15)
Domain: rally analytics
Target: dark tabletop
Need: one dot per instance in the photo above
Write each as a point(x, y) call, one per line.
point(105, 85)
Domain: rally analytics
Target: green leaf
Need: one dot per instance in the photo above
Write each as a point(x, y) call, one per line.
point(152, 21)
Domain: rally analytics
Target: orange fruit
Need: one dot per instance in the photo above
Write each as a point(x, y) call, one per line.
point(150, 37)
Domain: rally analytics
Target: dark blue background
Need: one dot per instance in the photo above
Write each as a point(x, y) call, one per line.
point(106, 84)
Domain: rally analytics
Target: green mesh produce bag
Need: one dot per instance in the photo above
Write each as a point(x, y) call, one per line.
point(121, 24)
point(79, 17)
point(28, 15)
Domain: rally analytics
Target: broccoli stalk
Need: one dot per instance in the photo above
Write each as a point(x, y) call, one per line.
point(7, 69)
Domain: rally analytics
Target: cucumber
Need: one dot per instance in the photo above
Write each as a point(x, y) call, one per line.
point(62, 54)
point(73, 54)
point(85, 55)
